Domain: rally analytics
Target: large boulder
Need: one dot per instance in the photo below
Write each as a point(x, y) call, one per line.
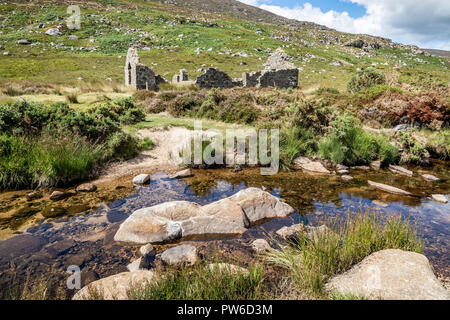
point(220, 217)
point(391, 274)
point(157, 224)
point(176, 219)
point(258, 204)
point(115, 287)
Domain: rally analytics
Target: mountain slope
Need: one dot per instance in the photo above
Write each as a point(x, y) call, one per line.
point(193, 36)
point(240, 10)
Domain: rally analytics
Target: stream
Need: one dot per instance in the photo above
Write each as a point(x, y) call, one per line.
point(45, 250)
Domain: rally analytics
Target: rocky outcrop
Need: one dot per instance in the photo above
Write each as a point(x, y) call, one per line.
point(389, 189)
point(391, 274)
point(173, 220)
point(115, 287)
point(179, 255)
point(310, 166)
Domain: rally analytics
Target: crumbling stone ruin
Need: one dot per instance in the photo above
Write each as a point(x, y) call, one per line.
point(214, 78)
point(279, 72)
point(182, 76)
point(138, 75)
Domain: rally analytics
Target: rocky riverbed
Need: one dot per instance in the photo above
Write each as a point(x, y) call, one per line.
point(43, 248)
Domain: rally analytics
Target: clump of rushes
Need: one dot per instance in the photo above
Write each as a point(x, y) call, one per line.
point(202, 283)
point(311, 263)
point(349, 144)
point(72, 98)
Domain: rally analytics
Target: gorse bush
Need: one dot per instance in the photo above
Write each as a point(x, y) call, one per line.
point(312, 261)
point(349, 144)
point(365, 79)
point(56, 145)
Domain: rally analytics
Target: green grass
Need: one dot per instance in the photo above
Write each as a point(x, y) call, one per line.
point(347, 143)
point(202, 283)
point(311, 263)
point(161, 29)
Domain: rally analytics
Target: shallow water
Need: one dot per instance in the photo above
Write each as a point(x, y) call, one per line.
point(87, 240)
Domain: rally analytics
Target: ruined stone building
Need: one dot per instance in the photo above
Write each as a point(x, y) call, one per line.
point(279, 73)
point(182, 76)
point(214, 78)
point(138, 75)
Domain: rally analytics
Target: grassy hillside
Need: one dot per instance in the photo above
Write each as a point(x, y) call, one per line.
point(172, 37)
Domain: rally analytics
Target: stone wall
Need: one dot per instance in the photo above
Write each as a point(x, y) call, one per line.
point(214, 78)
point(138, 75)
point(283, 79)
point(182, 76)
point(251, 79)
point(279, 73)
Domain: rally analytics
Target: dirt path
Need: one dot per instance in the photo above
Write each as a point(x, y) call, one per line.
point(158, 158)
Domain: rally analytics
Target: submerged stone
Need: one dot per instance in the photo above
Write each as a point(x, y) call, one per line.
point(400, 170)
point(439, 198)
point(390, 189)
point(179, 255)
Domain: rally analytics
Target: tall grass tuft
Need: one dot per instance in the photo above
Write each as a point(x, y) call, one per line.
point(203, 283)
point(72, 98)
point(312, 262)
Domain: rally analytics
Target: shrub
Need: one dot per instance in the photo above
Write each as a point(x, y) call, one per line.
point(439, 144)
point(349, 144)
point(365, 79)
point(120, 146)
point(311, 262)
point(413, 151)
point(142, 95)
point(56, 145)
point(294, 142)
point(63, 160)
